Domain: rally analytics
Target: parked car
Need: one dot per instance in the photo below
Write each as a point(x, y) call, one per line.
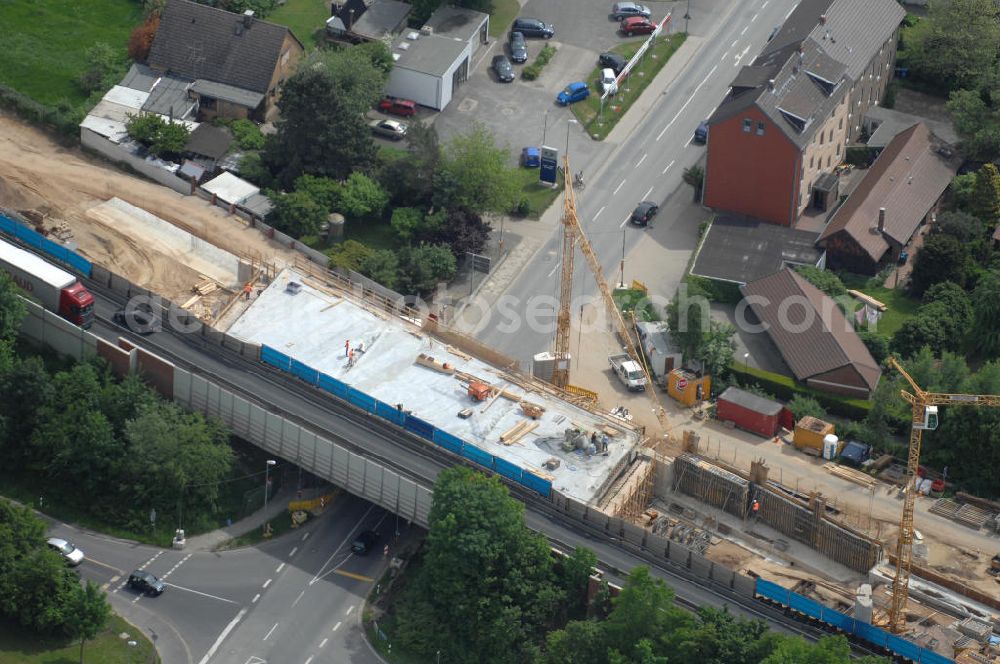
point(701, 133)
point(608, 82)
point(637, 25)
point(518, 48)
point(388, 128)
point(573, 92)
point(644, 213)
point(623, 10)
point(398, 106)
point(504, 70)
point(365, 542)
point(139, 319)
point(532, 27)
point(531, 157)
point(615, 61)
point(73, 555)
point(145, 583)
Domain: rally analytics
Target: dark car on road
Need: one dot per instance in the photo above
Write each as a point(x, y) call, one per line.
point(532, 27)
point(701, 133)
point(637, 26)
point(145, 583)
point(644, 213)
point(623, 10)
point(139, 319)
point(365, 542)
point(613, 61)
point(518, 48)
point(503, 69)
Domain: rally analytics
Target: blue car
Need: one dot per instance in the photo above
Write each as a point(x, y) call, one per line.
point(574, 92)
point(531, 157)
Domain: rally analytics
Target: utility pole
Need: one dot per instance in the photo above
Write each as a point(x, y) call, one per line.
point(687, 17)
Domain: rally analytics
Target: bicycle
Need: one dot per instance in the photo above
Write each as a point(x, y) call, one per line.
point(578, 182)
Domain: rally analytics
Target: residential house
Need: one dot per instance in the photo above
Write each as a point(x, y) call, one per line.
point(812, 335)
point(899, 192)
point(235, 63)
point(790, 113)
point(355, 21)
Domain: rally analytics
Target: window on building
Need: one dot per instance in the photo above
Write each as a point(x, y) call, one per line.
point(747, 125)
point(811, 162)
point(828, 161)
point(840, 123)
point(822, 137)
point(838, 149)
point(760, 128)
point(208, 103)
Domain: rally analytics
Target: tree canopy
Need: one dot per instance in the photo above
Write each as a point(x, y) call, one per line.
point(475, 173)
point(956, 46)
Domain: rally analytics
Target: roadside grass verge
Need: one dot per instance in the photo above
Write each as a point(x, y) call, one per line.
point(504, 12)
point(18, 646)
point(44, 43)
point(588, 111)
point(538, 196)
point(306, 18)
point(280, 525)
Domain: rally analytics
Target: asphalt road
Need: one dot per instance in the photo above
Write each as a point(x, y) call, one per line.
point(647, 166)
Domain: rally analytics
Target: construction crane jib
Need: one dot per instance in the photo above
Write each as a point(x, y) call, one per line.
point(924, 407)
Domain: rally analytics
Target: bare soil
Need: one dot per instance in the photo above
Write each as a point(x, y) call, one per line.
point(65, 184)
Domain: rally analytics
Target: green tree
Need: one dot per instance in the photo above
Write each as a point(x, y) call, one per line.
point(877, 344)
point(321, 130)
point(960, 193)
point(406, 221)
point(25, 390)
point(485, 6)
point(802, 405)
point(717, 347)
point(361, 196)
point(12, 309)
point(828, 650)
point(324, 191)
point(161, 137)
point(296, 214)
point(957, 46)
point(580, 642)
point(484, 180)
point(422, 9)
point(920, 332)
point(253, 169)
point(643, 610)
point(485, 591)
point(942, 258)
point(424, 267)
point(463, 230)
point(574, 578)
point(688, 317)
point(824, 280)
point(382, 266)
point(985, 331)
point(349, 255)
point(695, 176)
point(105, 66)
point(42, 589)
point(87, 614)
point(962, 226)
point(358, 74)
point(247, 134)
point(977, 121)
point(985, 203)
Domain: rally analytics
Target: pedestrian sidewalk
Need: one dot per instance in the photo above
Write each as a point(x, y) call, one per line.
point(277, 504)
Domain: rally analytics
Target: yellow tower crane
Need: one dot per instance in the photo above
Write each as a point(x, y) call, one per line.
point(572, 235)
point(924, 407)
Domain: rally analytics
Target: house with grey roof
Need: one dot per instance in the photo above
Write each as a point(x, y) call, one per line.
point(789, 115)
point(813, 336)
point(234, 63)
point(899, 192)
point(356, 21)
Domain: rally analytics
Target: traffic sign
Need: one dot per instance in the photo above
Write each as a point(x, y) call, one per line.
point(682, 383)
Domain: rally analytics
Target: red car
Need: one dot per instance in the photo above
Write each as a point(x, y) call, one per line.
point(637, 25)
point(397, 106)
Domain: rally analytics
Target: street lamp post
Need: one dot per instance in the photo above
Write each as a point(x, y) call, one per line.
point(746, 359)
point(687, 17)
point(267, 479)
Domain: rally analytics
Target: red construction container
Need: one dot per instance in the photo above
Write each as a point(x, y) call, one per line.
point(749, 412)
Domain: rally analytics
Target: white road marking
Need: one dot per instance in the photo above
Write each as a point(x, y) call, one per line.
point(198, 592)
point(618, 187)
point(625, 221)
point(680, 111)
point(349, 609)
point(255, 598)
point(222, 637)
point(335, 627)
point(723, 58)
point(597, 215)
point(735, 41)
point(309, 660)
point(667, 168)
point(298, 598)
point(707, 76)
point(642, 160)
point(280, 567)
point(556, 267)
point(744, 30)
point(753, 18)
point(267, 583)
point(648, 193)
point(765, 4)
point(294, 549)
point(270, 631)
point(742, 55)
point(323, 643)
point(689, 141)
point(322, 570)
point(305, 536)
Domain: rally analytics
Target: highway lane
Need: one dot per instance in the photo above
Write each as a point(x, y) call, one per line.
point(647, 166)
point(309, 607)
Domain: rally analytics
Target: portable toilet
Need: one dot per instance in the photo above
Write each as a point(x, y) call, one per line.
point(831, 446)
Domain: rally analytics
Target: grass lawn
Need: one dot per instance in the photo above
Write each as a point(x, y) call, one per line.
point(377, 234)
point(18, 647)
point(899, 307)
point(656, 57)
point(539, 196)
point(504, 12)
point(44, 42)
point(306, 18)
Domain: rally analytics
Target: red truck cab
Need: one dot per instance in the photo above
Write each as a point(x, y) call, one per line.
point(76, 305)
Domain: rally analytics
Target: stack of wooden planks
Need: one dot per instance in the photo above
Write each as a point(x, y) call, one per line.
point(851, 475)
point(518, 431)
point(206, 286)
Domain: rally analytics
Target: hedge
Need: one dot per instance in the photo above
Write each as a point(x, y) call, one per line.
point(784, 388)
point(532, 71)
point(724, 292)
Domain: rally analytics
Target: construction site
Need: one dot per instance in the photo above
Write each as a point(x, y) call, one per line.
point(864, 541)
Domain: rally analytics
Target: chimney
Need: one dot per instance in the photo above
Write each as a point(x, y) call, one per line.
point(248, 18)
point(881, 220)
point(822, 19)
